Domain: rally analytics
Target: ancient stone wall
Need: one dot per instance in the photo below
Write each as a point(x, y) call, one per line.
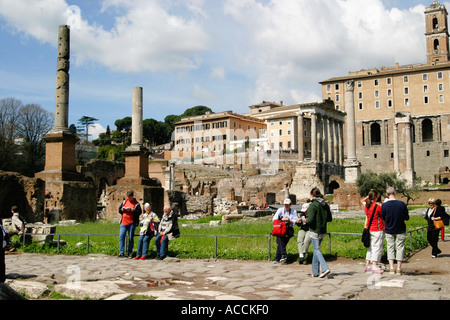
point(26, 193)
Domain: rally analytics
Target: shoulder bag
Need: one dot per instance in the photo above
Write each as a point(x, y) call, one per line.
point(365, 239)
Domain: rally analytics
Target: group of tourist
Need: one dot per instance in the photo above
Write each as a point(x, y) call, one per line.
point(163, 230)
point(313, 221)
point(383, 220)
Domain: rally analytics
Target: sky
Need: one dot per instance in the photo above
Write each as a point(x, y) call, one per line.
point(224, 54)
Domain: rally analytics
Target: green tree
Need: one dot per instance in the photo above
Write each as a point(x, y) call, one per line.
point(85, 122)
point(380, 182)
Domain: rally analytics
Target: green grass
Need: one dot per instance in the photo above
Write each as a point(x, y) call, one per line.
point(199, 247)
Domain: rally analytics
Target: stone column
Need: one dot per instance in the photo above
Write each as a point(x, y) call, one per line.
point(396, 149)
point(320, 138)
point(137, 130)
point(325, 138)
point(136, 155)
point(60, 161)
point(352, 166)
point(351, 132)
point(331, 154)
point(300, 138)
point(313, 137)
point(341, 143)
point(62, 81)
point(408, 146)
point(337, 148)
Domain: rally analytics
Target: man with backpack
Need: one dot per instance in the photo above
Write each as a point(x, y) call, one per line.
point(288, 216)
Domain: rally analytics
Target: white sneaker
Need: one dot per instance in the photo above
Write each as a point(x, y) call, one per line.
point(323, 274)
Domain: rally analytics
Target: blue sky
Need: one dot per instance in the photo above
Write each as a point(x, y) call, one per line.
point(225, 54)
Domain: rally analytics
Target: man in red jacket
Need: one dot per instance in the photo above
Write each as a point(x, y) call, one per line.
point(130, 209)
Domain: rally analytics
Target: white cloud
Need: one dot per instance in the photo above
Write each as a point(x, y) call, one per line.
point(145, 38)
point(294, 44)
point(95, 130)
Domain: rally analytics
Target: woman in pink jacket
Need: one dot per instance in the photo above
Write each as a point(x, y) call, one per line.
point(376, 228)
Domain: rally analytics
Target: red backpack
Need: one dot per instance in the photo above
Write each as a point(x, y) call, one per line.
point(279, 228)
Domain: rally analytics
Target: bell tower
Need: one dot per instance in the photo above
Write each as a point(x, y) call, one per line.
point(437, 36)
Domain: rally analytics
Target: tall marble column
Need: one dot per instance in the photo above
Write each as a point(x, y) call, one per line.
point(396, 149)
point(136, 155)
point(137, 130)
point(351, 131)
point(301, 140)
point(60, 160)
point(313, 137)
point(352, 166)
point(325, 138)
point(62, 81)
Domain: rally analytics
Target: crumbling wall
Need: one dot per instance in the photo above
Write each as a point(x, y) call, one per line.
point(25, 193)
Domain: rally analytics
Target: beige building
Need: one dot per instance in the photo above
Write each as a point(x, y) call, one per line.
point(217, 133)
point(282, 126)
point(402, 113)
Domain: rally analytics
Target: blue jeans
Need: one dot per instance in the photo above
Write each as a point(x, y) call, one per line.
point(142, 249)
point(162, 247)
point(122, 235)
point(318, 261)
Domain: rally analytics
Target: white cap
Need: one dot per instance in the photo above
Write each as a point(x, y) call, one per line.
point(287, 201)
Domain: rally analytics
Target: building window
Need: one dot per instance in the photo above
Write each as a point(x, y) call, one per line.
point(405, 79)
point(427, 130)
point(359, 84)
point(425, 100)
point(377, 94)
point(439, 75)
point(328, 89)
point(375, 134)
point(389, 93)
point(360, 106)
point(441, 98)
point(425, 77)
point(389, 80)
point(446, 154)
point(336, 86)
point(389, 103)
point(377, 104)
point(406, 101)
point(425, 88)
point(376, 82)
point(360, 95)
point(337, 98)
point(406, 90)
point(440, 87)
point(428, 153)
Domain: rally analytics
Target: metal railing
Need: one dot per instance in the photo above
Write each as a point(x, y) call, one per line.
point(269, 238)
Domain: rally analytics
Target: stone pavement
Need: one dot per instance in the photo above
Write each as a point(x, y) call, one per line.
point(111, 278)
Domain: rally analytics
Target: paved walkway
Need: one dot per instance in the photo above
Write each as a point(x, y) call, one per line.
point(107, 277)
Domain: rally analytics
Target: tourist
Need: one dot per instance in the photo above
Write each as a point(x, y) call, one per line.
point(319, 214)
point(130, 210)
point(146, 232)
point(376, 229)
point(433, 213)
point(17, 226)
point(303, 237)
point(168, 230)
point(445, 217)
point(289, 216)
point(394, 214)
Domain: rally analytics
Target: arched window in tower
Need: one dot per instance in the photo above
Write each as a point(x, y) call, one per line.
point(427, 130)
point(435, 23)
point(436, 44)
point(375, 134)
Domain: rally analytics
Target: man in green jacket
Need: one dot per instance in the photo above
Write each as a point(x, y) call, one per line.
point(319, 214)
